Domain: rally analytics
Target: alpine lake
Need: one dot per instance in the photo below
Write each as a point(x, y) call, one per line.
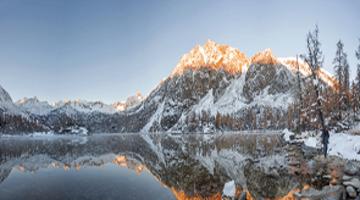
point(239, 165)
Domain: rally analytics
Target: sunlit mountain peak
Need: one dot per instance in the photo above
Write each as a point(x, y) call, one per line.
point(212, 55)
point(264, 57)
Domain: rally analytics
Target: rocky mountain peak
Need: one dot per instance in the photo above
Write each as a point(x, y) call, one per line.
point(34, 105)
point(130, 102)
point(27, 100)
point(212, 55)
point(4, 95)
point(265, 57)
point(6, 103)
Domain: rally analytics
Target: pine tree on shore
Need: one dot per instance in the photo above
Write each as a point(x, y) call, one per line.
point(354, 99)
point(338, 63)
point(341, 68)
point(314, 58)
point(357, 78)
point(346, 85)
point(299, 121)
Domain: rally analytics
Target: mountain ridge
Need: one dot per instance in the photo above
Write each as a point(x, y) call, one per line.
point(224, 57)
point(209, 81)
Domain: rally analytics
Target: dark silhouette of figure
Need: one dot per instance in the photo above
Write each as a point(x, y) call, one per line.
point(325, 140)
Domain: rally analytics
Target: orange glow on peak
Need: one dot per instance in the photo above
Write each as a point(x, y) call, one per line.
point(214, 56)
point(265, 57)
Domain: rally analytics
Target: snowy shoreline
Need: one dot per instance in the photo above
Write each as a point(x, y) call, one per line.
point(346, 146)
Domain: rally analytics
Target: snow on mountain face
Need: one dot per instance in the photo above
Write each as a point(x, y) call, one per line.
point(6, 103)
point(181, 92)
point(13, 119)
point(236, 97)
point(294, 64)
point(233, 86)
point(4, 96)
point(69, 116)
point(232, 60)
point(34, 106)
point(130, 102)
point(261, 90)
point(84, 107)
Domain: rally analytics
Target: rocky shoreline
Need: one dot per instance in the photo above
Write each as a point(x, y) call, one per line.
point(323, 178)
point(308, 175)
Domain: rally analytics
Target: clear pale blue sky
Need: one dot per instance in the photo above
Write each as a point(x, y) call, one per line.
point(107, 50)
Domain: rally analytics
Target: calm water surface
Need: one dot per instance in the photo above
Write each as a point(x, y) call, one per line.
point(136, 166)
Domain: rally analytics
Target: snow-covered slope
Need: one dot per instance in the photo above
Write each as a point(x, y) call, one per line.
point(216, 79)
point(85, 106)
point(35, 106)
point(4, 96)
point(130, 102)
point(294, 64)
point(345, 145)
point(14, 119)
point(7, 105)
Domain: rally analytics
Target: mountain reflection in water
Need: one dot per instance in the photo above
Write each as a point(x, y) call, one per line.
point(141, 166)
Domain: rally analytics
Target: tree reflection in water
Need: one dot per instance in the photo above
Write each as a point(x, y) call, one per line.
point(190, 166)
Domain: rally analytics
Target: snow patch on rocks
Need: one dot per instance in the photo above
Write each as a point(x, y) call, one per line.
point(229, 189)
point(345, 145)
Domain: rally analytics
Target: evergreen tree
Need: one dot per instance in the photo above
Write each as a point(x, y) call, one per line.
point(314, 58)
point(354, 99)
point(299, 123)
point(341, 68)
point(357, 78)
point(346, 83)
point(338, 64)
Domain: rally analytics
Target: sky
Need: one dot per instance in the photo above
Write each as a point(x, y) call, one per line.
point(108, 50)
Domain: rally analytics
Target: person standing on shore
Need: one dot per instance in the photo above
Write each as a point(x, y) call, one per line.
point(325, 141)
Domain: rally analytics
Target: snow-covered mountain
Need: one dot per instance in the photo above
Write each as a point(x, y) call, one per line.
point(84, 106)
point(129, 103)
point(13, 119)
point(6, 103)
point(4, 96)
point(213, 87)
point(216, 86)
point(35, 106)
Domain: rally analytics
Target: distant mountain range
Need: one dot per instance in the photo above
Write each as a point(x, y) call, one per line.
point(36, 107)
point(213, 87)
